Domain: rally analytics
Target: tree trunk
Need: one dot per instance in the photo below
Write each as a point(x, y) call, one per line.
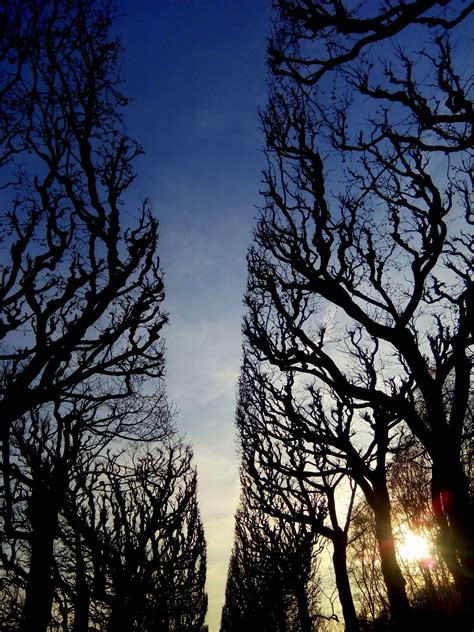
point(124, 609)
point(40, 585)
point(339, 542)
point(400, 609)
point(82, 596)
point(120, 618)
point(453, 512)
point(303, 610)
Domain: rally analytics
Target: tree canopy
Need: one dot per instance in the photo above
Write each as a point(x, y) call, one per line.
point(100, 522)
point(360, 291)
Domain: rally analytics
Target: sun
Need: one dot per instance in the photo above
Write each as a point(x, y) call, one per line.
point(414, 547)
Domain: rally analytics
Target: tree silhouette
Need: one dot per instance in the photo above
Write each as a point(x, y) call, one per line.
point(272, 580)
point(359, 285)
point(139, 533)
point(81, 294)
point(293, 479)
point(120, 542)
point(45, 453)
point(429, 583)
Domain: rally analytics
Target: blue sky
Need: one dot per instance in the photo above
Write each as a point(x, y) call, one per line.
point(196, 69)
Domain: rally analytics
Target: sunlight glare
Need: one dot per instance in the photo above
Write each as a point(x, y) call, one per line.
point(413, 547)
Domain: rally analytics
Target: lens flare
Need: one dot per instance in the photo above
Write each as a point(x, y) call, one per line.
point(413, 547)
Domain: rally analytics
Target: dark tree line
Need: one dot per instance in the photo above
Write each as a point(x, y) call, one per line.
point(273, 581)
point(359, 324)
point(100, 525)
point(129, 549)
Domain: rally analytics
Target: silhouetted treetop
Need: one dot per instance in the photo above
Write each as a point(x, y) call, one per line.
point(96, 532)
point(360, 291)
point(81, 294)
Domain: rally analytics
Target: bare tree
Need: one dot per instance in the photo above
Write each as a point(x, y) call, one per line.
point(80, 284)
point(253, 592)
point(273, 574)
point(128, 549)
point(45, 450)
point(296, 477)
point(133, 520)
point(360, 283)
point(429, 583)
point(81, 294)
point(313, 448)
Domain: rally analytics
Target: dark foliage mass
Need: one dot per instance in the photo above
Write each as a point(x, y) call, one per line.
point(359, 324)
point(100, 523)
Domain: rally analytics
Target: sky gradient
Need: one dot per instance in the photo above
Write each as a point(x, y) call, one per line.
point(196, 71)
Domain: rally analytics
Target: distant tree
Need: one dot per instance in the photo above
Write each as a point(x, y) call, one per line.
point(135, 523)
point(360, 285)
point(251, 596)
point(292, 479)
point(272, 580)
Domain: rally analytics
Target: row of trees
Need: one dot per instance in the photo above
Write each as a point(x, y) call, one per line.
point(127, 550)
point(279, 572)
point(100, 524)
point(359, 325)
point(273, 584)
